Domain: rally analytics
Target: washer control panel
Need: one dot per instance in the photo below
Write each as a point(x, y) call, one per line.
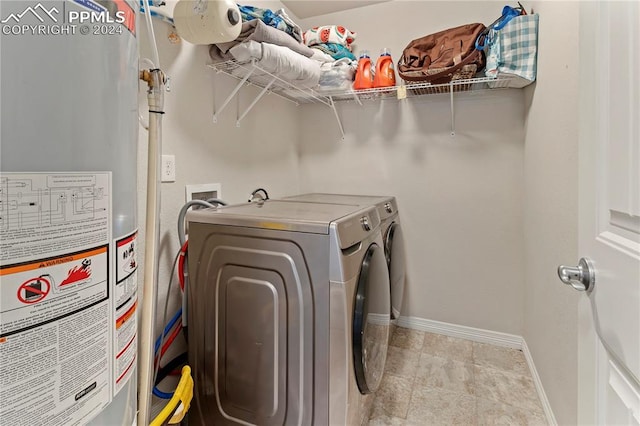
point(357, 227)
point(388, 207)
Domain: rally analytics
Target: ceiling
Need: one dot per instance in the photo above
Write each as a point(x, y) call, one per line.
point(309, 8)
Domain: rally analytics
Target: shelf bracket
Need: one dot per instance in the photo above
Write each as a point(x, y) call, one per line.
point(453, 116)
point(231, 96)
point(255, 101)
point(335, 112)
point(357, 99)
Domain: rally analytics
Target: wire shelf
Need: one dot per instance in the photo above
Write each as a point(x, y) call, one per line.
point(288, 90)
point(420, 89)
point(252, 74)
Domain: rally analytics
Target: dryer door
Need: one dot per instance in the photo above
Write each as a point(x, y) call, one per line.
point(394, 251)
point(371, 319)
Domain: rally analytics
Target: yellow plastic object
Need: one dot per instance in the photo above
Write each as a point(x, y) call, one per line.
point(178, 405)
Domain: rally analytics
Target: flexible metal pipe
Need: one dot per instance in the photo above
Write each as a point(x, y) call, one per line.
point(182, 237)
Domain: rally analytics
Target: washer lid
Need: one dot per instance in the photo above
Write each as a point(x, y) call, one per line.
point(360, 200)
point(276, 214)
point(386, 204)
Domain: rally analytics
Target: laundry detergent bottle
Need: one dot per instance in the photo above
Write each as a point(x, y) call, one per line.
point(385, 75)
point(364, 74)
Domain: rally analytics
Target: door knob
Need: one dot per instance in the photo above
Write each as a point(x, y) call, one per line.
point(582, 277)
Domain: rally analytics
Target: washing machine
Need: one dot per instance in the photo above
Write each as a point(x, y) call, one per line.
point(391, 234)
point(289, 313)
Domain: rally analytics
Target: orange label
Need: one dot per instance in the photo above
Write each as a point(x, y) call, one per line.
point(127, 315)
point(51, 262)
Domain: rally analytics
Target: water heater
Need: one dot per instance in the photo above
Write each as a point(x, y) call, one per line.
point(68, 227)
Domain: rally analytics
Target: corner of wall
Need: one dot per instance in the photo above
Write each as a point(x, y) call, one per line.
point(551, 207)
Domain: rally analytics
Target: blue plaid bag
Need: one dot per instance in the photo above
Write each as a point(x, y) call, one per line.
point(512, 51)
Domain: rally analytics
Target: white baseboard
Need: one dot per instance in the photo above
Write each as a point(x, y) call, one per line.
point(484, 336)
point(546, 406)
point(462, 332)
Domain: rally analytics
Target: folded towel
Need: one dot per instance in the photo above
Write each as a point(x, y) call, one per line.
point(278, 19)
point(280, 61)
point(257, 30)
point(217, 56)
point(335, 50)
point(322, 57)
point(295, 28)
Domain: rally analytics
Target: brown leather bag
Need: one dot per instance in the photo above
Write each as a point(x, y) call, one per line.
point(438, 58)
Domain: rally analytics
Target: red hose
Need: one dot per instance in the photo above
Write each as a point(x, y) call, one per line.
point(181, 260)
point(169, 341)
point(176, 331)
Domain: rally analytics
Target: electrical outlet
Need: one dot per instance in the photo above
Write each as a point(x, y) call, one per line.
point(168, 169)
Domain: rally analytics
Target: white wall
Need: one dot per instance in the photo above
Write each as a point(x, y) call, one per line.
point(460, 198)
point(551, 207)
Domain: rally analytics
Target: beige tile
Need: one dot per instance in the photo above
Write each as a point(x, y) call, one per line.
point(402, 362)
point(366, 405)
point(444, 373)
point(506, 387)
point(430, 406)
point(448, 347)
point(392, 397)
point(385, 420)
point(496, 413)
point(507, 359)
point(407, 338)
point(454, 381)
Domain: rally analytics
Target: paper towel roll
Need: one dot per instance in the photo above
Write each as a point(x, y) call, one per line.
point(207, 21)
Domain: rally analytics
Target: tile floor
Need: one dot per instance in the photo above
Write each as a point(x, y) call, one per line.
point(431, 379)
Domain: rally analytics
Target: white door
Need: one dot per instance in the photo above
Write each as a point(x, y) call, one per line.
point(609, 359)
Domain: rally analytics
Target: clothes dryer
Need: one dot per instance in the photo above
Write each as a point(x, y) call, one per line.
point(289, 313)
point(390, 229)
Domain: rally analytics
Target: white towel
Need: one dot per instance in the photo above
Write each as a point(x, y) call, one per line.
point(281, 61)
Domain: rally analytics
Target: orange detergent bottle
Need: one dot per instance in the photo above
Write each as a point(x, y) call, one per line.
point(364, 74)
point(385, 74)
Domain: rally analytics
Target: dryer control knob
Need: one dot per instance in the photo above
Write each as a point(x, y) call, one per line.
point(365, 223)
point(388, 208)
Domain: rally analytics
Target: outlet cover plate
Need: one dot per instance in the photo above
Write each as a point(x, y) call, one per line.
point(168, 169)
point(203, 191)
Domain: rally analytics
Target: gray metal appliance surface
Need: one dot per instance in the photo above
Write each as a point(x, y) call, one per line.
point(391, 234)
point(288, 313)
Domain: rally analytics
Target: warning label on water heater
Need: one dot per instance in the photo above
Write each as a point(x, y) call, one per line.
point(126, 301)
point(56, 306)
